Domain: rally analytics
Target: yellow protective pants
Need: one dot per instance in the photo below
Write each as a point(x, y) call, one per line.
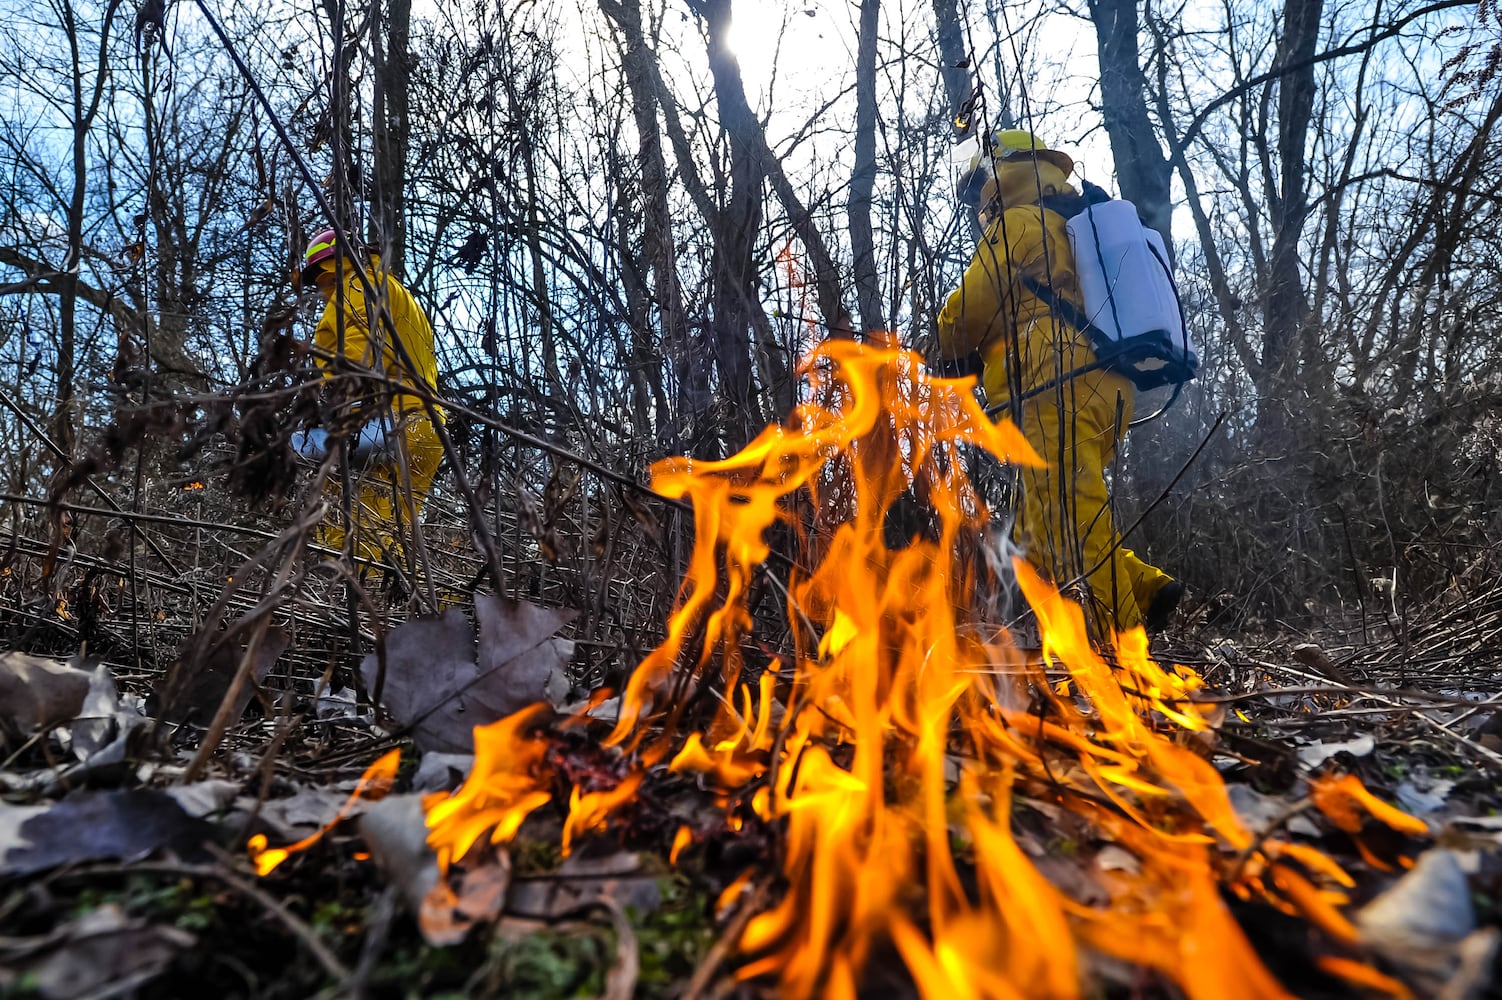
point(390, 495)
point(1066, 527)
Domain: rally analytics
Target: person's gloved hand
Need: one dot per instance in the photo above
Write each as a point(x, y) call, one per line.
point(312, 444)
point(1094, 193)
point(970, 364)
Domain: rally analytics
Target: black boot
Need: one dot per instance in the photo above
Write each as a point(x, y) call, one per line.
point(1162, 607)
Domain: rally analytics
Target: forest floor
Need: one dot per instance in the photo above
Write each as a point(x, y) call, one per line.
point(123, 861)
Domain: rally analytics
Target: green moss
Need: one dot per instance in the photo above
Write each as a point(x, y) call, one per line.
point(182, 903)
point(534, 857)
point(674, 938)
point(552, 965)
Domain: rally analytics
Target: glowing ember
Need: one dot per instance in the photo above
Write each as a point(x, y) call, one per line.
point(894, 745)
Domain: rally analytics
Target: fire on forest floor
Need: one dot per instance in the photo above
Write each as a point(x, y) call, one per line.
point(880, 795)
point(892, 756)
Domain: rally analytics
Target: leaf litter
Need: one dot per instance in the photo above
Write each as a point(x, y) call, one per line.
point(1420, 922)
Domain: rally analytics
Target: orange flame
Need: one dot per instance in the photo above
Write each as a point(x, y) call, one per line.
point(373, 784)
point(506, 783)
point(681, 840)
point(1338, 796)
point(894, 745)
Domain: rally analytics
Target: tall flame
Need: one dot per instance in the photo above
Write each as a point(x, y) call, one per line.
point(893, 743)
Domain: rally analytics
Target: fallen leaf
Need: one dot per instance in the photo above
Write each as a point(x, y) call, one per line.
point(1259, 812)
point(96, 826)
point(580, 881)
point(1428, 798)
point(451, 911)
point(442, 772)
point(1430, 904)
point(98, 717)
point(340, 704)
point(204, 798)
point(95, 729)
point(12, 819)
point(103, 953)
point(1316, 754)
point(38, 691)
point(396, 831)
point(371, 786)
point(308, 807)
point(1423, 926)
point(1255, 810)
point(197, 690)
point(509, 631)
point(441, 685)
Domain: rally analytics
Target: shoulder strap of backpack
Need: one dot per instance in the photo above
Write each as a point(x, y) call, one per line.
point(1065, 310)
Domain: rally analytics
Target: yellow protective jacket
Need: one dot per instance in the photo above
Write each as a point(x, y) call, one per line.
point(1065, 522)
point(408, 321)
point(992, 309)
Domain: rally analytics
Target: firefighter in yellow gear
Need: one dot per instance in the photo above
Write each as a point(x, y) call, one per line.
point(396, 452)
point(1074, 421)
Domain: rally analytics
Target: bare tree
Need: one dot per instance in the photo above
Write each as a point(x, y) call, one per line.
point(746, 131)
point(863, 179)
point(391, 128)
point(636, 63)
point(1285, 306)
point(1141, 169)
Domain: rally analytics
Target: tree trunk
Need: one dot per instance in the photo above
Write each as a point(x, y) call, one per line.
point(952, 60)
point(863, 179)
point(68, 284)
point(744, 130)
point(391, 133)
point(771, 365)
point(1142, 172)
point(734, 275)
point(1284, 305)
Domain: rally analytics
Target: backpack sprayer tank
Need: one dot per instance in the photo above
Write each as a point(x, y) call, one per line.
point(1130, 301)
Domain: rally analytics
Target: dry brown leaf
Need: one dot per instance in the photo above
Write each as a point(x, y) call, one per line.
point(103, 953)
point(396, 832)
point(441, 683)
point(198, 689)
point(1312, 656)
point(449, 912)
point(38, 691)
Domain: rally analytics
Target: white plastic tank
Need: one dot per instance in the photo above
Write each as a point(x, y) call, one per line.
point(1123, 272)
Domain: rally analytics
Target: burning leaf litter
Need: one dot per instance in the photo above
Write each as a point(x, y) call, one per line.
point(843, 746)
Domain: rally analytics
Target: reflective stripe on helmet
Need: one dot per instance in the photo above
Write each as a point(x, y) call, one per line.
point(318, 250)
point(321, 248)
